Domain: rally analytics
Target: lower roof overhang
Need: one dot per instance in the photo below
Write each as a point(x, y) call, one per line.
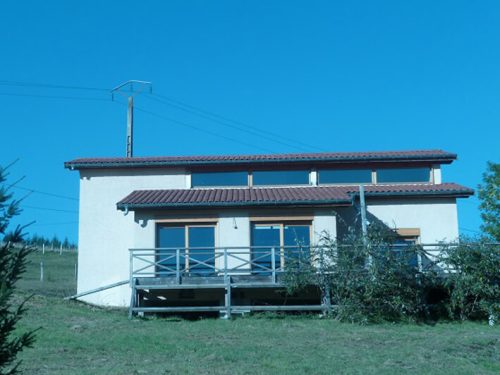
point(318, 196)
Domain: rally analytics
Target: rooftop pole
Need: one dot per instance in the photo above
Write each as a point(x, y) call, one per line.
point(130, 127)
point(129, 88)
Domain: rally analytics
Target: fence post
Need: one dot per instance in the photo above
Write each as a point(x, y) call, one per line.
point(225, 265)
point(273, 264)
point(41, 271)
point(43, 248)
point(60, 250)
point(178, 266)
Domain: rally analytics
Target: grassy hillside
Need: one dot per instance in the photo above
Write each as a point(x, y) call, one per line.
point(79, 339)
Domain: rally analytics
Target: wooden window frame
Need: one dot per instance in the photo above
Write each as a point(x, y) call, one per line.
point(186, 224)
point(282, 224)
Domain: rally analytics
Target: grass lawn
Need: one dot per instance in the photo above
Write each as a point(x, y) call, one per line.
point(79, 339)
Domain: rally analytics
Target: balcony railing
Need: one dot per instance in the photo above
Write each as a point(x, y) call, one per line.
point(255, 260)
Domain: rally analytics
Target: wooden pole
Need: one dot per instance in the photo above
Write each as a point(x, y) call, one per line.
point(130, 127)
point(41, 271)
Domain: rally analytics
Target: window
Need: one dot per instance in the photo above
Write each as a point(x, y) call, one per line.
point(345, 176)
point(288, 240)
point(262, 178)
point(403, 175)
point(196, 244)
point(200, 179)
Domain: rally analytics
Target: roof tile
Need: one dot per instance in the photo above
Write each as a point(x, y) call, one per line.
point(317, 195)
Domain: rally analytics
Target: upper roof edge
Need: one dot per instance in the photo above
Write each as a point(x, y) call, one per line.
point(435, 155)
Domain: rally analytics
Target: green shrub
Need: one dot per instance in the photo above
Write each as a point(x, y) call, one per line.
point(366, 280)
point(473, 280)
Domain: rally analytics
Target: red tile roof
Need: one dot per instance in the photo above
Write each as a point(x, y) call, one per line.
point(281, 196)
point(326, 157)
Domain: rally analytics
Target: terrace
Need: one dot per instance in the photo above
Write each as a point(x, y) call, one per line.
point(232, 280)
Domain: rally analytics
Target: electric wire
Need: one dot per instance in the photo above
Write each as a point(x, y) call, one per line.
point(194, 127)
point(49, 209)
point(45, 193)
point(50, 86)
point(208, 115)
point(234, 124)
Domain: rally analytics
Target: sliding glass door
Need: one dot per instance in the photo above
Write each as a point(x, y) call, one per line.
point(289, 240)
point(196, 245)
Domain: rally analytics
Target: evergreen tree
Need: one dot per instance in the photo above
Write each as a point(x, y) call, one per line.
point(489, 194)
point(12, 265)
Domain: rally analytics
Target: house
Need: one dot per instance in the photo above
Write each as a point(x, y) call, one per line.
point(210, 233)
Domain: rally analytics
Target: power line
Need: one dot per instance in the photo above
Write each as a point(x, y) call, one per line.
point(208, 115)
point(225, 121)
point(185, 124)
point(54, 96)
point(49, 209)
point(45, 193)
point(50, 86)
point(61, 223)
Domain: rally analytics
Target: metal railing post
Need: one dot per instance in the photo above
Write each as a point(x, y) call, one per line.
point(225, 264)
point(419, 261)
point(131, 267)
point(273, 263)
point(178, 266)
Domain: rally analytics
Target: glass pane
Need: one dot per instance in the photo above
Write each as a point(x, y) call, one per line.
point(280, 178)
point(403, 175)
point(219, 179)
point(267, 236)
point(297, 240)
point(201, 249)
point(347, 176)
point(171, 238)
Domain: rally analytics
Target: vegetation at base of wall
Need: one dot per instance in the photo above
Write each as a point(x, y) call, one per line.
point(12, 265)
point(489, 195)
point(474, 280)
point(371, 279)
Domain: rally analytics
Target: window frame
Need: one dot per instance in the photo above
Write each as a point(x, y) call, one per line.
point(429, 176)
point(281, 224)
point(253, 171)
point(193, 186)
point(372, 177)
point(186, 225)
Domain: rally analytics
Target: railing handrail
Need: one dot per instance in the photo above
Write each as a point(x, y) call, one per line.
point(423, 245)
point(268, 260)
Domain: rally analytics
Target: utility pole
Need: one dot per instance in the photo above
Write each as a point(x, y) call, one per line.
point(130, 127)
point(130, 89)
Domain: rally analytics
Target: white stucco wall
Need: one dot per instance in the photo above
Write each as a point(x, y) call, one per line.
point(437, 219)
point(105, 234)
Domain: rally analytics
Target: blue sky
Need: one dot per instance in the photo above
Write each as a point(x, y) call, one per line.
point(339, 76)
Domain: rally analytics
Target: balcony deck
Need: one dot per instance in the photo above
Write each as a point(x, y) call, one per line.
point(224, 280)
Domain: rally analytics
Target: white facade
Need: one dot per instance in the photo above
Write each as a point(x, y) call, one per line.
point(106, 234)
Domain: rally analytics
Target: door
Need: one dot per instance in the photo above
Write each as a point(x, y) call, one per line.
point(196, 245)
point(289, 240)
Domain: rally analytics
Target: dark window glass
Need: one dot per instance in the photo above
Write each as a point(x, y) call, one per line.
point(403, 175)
point(265, 237)
point(171, 238)
point(345, 176)
point(219, 179)
point(280, 178)
point(297, 241)
point(201, 249)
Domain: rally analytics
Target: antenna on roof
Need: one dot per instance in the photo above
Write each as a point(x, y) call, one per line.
point(130, 89)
